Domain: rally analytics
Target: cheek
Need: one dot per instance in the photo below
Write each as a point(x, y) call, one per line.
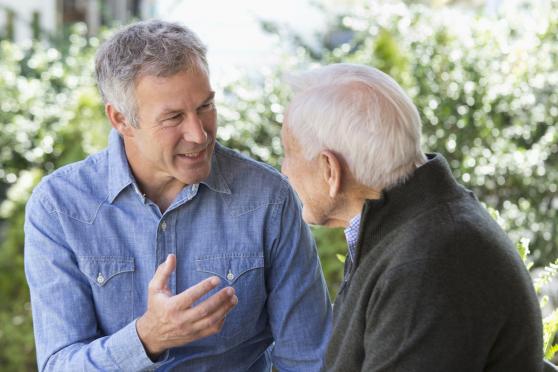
point(166, 143)
point(210, 123)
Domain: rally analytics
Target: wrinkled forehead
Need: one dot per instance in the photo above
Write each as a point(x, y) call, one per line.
point(185, 90)
point(196, 66)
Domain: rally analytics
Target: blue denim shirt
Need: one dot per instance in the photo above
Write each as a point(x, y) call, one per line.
point(93, 242)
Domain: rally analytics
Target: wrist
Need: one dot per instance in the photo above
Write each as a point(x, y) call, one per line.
point(149, 345)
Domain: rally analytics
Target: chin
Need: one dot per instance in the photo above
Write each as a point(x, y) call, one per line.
point(195, 176)
point(310, 219)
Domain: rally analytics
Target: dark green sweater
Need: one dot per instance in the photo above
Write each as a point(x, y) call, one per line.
point(437, 286)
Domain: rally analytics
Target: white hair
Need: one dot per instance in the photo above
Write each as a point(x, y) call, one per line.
point(360, 113)
point(153, 47)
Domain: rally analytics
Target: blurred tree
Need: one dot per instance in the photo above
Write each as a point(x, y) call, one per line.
point(51, 115)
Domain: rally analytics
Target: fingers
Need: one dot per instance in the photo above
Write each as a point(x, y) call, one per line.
point(161, 278)
point(187, 298)
point(208, 330)
point(223, 300)
point(211, 313)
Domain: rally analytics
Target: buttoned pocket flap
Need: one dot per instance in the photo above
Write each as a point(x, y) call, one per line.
point(229, 268)
point(102, 269)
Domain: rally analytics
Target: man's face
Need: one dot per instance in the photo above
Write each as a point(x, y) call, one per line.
point(177, 128)
point(305, 177)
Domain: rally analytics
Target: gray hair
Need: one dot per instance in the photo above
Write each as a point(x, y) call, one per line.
point(360, 113)
point(154, 48)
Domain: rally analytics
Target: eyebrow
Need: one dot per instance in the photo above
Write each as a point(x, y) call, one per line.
point(170, 110)
point(210, 97)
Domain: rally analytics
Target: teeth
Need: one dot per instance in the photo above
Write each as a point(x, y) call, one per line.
point(192, 154)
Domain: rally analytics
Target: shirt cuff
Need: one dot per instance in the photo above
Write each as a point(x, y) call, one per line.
point(128, 352)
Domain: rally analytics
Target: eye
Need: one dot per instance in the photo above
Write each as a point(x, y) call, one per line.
point(207, 107)
point(173, 120)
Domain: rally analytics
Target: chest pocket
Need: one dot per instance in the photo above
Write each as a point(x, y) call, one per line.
point(246, 275)
point(111, 280)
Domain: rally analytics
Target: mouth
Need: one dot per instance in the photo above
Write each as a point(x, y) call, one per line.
point(192, 156)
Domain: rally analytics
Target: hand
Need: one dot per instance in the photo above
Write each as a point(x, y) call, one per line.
point(173, 320)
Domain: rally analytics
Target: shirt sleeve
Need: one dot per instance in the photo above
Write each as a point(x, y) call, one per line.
point(298, 304)
point(67, 336)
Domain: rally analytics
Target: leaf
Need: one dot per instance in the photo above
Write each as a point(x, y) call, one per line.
point(341, 258)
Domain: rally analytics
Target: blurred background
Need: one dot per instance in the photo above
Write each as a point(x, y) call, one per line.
point(483, 74)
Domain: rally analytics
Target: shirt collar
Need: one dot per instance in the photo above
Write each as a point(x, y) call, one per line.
point(351, 235)
point(120, 175)
point(215, 181)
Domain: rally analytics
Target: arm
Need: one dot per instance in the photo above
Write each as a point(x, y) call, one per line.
point(66, 331)
point(67, 337)
point(298, 304)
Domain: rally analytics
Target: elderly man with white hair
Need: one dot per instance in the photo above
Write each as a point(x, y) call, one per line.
point(431, 282)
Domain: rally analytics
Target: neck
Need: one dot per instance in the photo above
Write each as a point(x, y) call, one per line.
point(160, 188)
point(350, 204)
point(163, 193)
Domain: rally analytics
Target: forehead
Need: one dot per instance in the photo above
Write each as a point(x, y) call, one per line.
point(289, 141)
point(187, 85)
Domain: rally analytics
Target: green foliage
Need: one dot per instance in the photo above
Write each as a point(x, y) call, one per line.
point(333, 251)
point(51, 115)
point(540, 281)
point(250, 115)
point(550, 321)
point(550, 327)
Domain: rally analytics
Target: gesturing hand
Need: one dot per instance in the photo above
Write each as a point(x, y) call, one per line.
point(173, 320)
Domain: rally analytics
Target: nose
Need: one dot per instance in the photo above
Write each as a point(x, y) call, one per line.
point(194, 130)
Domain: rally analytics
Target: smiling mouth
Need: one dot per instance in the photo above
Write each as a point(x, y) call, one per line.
point(192, 155)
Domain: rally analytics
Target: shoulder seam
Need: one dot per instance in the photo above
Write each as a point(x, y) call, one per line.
point(251, 162)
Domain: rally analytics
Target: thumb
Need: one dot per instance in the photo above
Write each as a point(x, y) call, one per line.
point(161, 277)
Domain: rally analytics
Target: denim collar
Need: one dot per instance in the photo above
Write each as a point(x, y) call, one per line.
point(120, 175)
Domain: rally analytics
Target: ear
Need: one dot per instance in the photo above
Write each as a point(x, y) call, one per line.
point(118, 121)
point(331, 171)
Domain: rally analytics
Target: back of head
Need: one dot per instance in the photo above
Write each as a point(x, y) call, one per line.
point(152, 47)
point(360, 113)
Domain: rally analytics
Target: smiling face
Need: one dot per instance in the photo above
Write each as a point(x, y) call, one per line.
point(175, 139)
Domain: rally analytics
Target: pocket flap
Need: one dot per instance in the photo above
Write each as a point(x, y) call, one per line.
point(100, 269)
point(229, 268)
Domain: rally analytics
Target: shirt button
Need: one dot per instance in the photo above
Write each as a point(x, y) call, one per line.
point(230, 276)
point(100, 278)
point(164, 226)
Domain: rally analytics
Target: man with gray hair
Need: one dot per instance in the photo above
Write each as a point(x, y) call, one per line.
point(431, 283)
point(167, 250)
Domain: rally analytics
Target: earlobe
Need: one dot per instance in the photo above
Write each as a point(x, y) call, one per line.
point(118, 121)
point(331, 171)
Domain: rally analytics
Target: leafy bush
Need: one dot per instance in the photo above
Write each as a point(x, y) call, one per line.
point(51, 115)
